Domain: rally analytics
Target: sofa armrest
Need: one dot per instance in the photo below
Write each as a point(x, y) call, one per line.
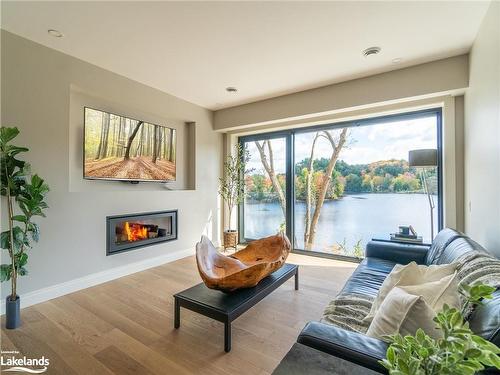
point(397, 252)
point(352, 346)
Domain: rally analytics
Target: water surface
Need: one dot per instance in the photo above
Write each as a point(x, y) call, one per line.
point(348, 220)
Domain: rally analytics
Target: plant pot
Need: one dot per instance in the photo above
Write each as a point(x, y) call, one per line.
point(230, 239)
point(12, 313)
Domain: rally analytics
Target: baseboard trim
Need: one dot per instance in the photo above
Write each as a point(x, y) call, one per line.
point(58, 290)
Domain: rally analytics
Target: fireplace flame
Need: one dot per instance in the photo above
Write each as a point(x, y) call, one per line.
point(135, 232)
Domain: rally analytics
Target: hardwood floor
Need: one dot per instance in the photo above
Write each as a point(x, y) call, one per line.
point(125, 326)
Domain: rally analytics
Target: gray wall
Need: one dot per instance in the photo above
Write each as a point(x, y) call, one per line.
point(42, 94)
point(482, 135)
point(429, 78)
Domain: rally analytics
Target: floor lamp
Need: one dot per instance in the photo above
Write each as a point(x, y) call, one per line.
point(425, 159)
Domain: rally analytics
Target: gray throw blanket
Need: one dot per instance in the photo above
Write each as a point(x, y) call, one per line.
point(476, 266)
point(348, 311)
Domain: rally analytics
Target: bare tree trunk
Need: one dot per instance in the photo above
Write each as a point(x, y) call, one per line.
point(309, 182)
point(104, 149)
point(336, 148)
point(144, 138)
point(269, 167)
point(160, 142)
point(131, 139)
point(155, 144)
point(101, 139)
point(165, 139)
point(171, 150)
point(120, 136)
point(230, 213)
point(114, 145)
point(139, 144)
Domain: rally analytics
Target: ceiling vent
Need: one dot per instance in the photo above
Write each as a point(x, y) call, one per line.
point(371, 51)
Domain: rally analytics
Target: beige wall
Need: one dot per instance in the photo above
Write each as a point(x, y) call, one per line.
point(42, 94)
point(482, 135)
point(430, 78)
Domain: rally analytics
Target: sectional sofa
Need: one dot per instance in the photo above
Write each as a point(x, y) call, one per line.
point(448, 246)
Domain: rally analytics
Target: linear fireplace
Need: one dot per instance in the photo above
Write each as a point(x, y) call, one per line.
point(128, 232)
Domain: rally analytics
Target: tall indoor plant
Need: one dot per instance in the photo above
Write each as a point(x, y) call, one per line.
point(232, 188)
point(27, 192)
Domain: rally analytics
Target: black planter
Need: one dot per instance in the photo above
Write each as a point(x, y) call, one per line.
point(12, 313)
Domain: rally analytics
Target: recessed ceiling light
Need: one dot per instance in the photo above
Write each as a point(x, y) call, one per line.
point(55, 33)
point(397, 60)
point(231, 89)
point(371, 51)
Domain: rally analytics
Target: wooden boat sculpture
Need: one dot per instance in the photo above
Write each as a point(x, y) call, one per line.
point(243, 269)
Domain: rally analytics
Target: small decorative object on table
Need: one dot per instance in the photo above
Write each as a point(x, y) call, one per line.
point(406, 234)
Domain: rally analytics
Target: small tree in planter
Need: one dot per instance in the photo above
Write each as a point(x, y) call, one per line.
point(232, 188)
point(28, 192)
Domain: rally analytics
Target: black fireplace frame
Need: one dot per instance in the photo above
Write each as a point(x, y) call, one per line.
point(112, 248)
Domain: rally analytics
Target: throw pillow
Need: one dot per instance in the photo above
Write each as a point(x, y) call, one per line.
point(409, 274)
point(407, 308)
point(402, 312)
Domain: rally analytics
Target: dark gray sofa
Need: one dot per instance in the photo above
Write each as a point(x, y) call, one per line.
point(367, 279)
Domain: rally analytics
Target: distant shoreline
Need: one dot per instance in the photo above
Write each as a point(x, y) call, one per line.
point(275, 200)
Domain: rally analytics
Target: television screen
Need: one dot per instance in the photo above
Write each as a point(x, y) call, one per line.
point(121, 148)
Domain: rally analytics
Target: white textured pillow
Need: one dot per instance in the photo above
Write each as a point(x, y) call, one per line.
point(437, 293)
point(403, 313)
point(409, 274)
point(407, 308)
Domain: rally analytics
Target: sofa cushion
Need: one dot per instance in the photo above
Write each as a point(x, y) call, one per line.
point(442, 240)
point(401, 253)
point(457, 248)
point(368, 277)
point(410, 274)
point(403, 312)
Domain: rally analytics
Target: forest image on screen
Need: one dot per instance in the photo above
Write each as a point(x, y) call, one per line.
point(121, 148)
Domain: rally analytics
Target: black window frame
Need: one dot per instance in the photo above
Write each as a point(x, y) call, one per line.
point(289, 136)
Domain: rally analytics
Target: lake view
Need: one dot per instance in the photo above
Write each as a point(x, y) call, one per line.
point(350, 219)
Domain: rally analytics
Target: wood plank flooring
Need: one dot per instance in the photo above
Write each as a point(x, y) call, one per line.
point(125, 326)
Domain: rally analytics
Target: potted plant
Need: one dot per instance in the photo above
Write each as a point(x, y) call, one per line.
point(459, 351)
point(232, 188)
point(27, 191)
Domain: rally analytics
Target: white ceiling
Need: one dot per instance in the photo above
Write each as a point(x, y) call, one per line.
point(265, 49)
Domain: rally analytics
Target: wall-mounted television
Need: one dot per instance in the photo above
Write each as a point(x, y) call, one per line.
point(124, 149)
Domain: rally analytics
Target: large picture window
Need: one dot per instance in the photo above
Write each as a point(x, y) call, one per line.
point(333, 188)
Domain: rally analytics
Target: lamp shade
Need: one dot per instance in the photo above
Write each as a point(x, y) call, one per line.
point(423, 158)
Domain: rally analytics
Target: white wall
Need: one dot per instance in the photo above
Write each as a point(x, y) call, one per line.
point(42, 94)
point(482, 135)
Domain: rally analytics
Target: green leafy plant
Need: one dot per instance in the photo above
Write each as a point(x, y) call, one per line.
point(357, 250)
point(28, 191)
point(342, 247)
point(232, 184)
point(459, 351)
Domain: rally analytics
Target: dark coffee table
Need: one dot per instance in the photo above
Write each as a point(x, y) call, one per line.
point(226, 307)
